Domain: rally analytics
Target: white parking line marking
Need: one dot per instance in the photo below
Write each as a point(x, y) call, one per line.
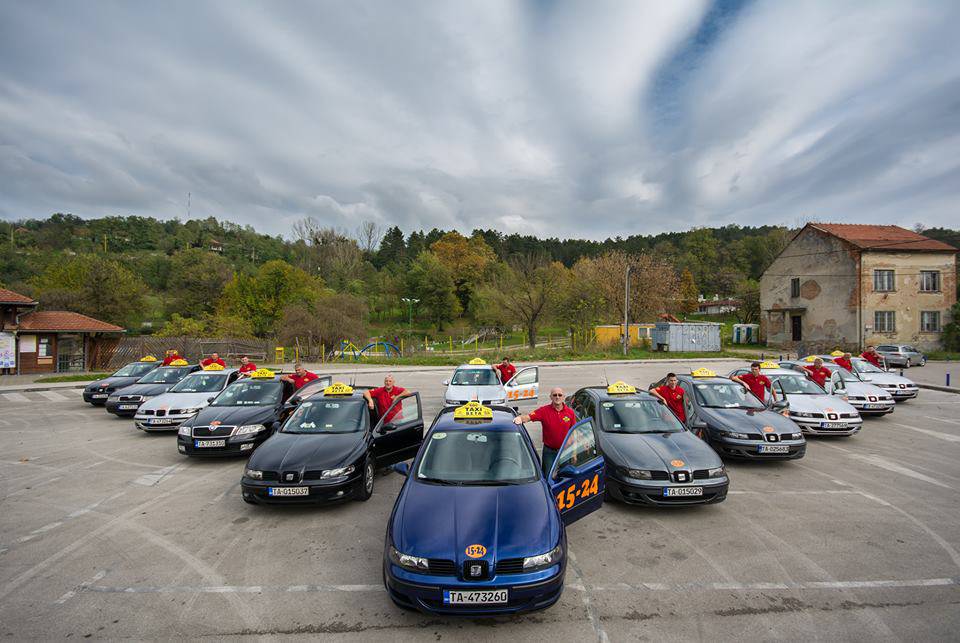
point(151, 479)
point(79, 588)
point(53, 396)
point(930, 417)
point(949, 437)
point(889, 465)
point(16, 397)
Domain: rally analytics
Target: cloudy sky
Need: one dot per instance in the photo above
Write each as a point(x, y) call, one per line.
point(573, 119)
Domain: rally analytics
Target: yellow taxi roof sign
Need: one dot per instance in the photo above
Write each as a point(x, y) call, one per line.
point(338, 388)
point(473, 411)
point(148, 358)
point(263, 373)
point(809, 358)
point(836, 354)
point(620, 387)
point(179, 362)
point(703, 372)
point(769, 365)
point(213, 367)
point(476, 361)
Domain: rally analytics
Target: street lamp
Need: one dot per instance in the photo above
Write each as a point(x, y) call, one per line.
point(410, 302)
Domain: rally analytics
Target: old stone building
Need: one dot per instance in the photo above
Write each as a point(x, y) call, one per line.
point(855, 285)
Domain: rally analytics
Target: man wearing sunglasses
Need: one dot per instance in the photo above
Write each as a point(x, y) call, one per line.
point(556, 419)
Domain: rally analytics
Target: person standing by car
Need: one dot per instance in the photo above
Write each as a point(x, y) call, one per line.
point(213, 359)
point(818, 372)
point(246, 366)
point(556, 419)
point(672, 395)
point(757, 382)
point(171, 355)
point(299, 377)
point(872, 356)
point(381, 398)
point(505, 370)
point(844, 361)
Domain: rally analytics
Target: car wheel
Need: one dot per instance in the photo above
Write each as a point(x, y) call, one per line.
point(923, 361)
point(366, 485)
point(909, 363)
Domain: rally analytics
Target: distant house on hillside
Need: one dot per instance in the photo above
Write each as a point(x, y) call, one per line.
point(216, 246)
point(716, 306)
point(856, 285)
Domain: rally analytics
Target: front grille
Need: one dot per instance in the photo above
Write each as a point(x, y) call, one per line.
point(659, 475)
point(290, 476)
point(130, 398)
point(441, 566)
point(848, 415)
point(810, 415)
point(772, 437)
point(270, 475)
point(681, 476)
point(475, 569)
point(701, 474)
point(160, 413)
point(212, 431)
point(510, 566)
point(146, 412)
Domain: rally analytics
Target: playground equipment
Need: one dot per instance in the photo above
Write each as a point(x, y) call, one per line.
point(348, 348)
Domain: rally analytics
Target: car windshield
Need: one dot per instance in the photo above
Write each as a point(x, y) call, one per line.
point(726, 396)
point(200, 383)
point(327, 416)
point(798, 385)
point(135, 370)
point(845, 375)
point(250, 393)
point(863, 366)
point(474, 377)
point(638, 416)
point(466, 457)
point(164, 375)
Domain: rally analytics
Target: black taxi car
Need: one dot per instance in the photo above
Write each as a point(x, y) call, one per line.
point(330, 447)
point(651, 457)
point(239, 419)
point(126, 401)
point(96, 393)
point(734, 422)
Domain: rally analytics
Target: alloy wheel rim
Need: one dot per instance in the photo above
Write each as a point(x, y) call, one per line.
point(368, 478)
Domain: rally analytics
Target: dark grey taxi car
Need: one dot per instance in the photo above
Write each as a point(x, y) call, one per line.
point(651, 457)
point(96, 393)
point(126, 401)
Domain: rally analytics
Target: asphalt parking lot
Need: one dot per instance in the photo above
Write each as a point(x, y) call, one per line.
point(107, 532)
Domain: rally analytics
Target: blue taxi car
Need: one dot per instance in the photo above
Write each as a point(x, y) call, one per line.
point(477, 529)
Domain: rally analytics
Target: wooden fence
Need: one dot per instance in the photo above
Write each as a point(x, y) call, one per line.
point(130, 349)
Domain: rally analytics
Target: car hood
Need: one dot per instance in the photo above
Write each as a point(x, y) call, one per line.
point(300, 451)
point(818, 403)
point(887, 378)
point(107, 382)
point(511, 521)
point(147, 389)
point(744, 420)
point(235, 415)
point(482, 393)
point(864, 388)
point(169, 401)
point(656, 450)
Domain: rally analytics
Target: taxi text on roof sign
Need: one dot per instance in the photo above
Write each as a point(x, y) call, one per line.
point(472, 411)
point(769, 365)
point(836, 354)
point(213, 367)
point(264, 373)
point(148, 358)
point(476, 361)
point(338, 388)
point(621, 387)
point(179, 362)
point(703, 372)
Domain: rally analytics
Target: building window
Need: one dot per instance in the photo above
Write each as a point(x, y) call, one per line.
point(882, 280)
point(884, 321)
point(795, 287)
point(929, 281)
point(930, 321)
point(44, 347)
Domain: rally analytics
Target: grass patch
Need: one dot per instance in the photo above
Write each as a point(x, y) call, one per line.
point(945, 356)
point(78, 377)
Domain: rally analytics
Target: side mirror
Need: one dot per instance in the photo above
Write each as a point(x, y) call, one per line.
point(210, 399)
point(568, 471)
point(865, 378)
point(387, 427)
point(446, 382)
point(780, 405)
point(698, 424)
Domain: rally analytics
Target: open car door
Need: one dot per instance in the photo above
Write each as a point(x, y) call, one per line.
point(398, 435)
point(524, 385)
point(576, 477)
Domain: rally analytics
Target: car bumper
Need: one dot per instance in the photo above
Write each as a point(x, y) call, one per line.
point(651, 492)
point(234, 446)
point(257, 491)
point(812, 426)
point(881, 408)
point(902, 394)
point(749, 449)
point(170, 423)
point(425, 594)
point(95, 399)
point(117, 408)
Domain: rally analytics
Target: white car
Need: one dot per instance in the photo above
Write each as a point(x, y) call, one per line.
point(479, 381)
point(812, 408)
point(901, 388)
point(863, 396)
point(166, 412)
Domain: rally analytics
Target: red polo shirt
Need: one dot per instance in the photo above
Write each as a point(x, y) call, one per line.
point(208, 361)
point(556, 424)
point(249, 367)
point(385, 398)
point(506, 372)
point(818, 375)
point(844, 362)
point(873, 358)
point(170, 358)
point(758, 384)
point(299, 381)
point(674, 398)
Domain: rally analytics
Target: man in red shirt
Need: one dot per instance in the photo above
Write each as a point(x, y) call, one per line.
point(246, 366)
point(757, 382)
point(213, 359)
point(872, 356)
point(672, 395)
point(556, 419)
point(506, 370)
point(381, 398)
point(818, 372)
point(171, 356)
point(844, 361)
point(299, 377)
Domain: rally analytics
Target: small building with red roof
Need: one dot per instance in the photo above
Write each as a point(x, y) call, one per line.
point(855, 285)
point(50, 341)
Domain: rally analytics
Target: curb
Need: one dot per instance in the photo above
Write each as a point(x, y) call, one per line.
point(937, 387)
point(42, 387)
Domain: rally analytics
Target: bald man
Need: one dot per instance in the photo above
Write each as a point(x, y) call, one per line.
point(556, 419)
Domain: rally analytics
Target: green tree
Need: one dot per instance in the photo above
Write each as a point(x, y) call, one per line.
point(688, 292)
point(951, 331)
point(261, 298)
point(332, 318)
point(179, 326)
point(93, 285)
point(431, 282)
point(526, 291)
point(748, 294)
point(393, 248)
point(196, 281)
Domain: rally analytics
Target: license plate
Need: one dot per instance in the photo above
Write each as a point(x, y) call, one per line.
point(873, 406)
point(773, 448)
point(126, 407)
point(489, 597)
point(288, 491)
point(158, 421)
point(209, 443)
point(98, 396)
point(834, 425)
point(683, 491)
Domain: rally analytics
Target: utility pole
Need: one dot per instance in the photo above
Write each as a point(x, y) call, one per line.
point(626, 311)
point(188, 206)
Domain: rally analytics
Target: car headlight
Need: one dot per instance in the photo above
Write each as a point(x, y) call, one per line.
point(717, 472)
point(336, 473)
point(190, 411)
point(253, 473)
point(735, 435)
point(542, 561)
point(801, 414)
point(184, 430)
point(413, 563)
point(247, 429)
point(796, 436)
point(639, 474)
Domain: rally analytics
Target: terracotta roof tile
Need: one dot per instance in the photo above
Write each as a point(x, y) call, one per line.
point(62, 320)
point(889, 237)
point(10, 297)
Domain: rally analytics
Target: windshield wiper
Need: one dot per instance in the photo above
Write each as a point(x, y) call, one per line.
point(441, 481)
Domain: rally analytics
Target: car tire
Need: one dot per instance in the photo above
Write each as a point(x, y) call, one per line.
point(366, 482)
point(909, 363)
